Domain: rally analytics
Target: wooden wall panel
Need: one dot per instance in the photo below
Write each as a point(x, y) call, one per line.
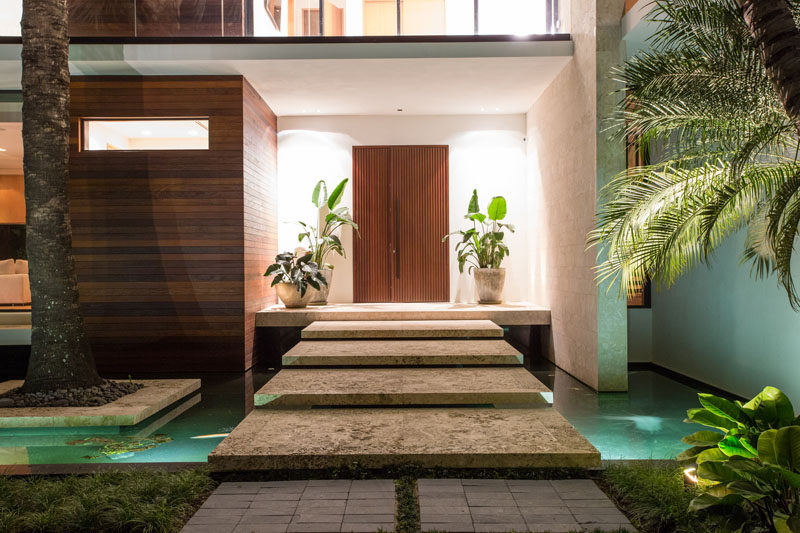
point(260, 209)
point(12, 199)
point(420, 185)
point(159, 237)
point(372, 253)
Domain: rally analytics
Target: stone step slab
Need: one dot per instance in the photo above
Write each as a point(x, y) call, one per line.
point(401, 352)
point(298, 388)
point(270, 439)
point(402, 329)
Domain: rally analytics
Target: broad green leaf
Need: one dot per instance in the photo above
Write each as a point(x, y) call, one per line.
point(747, 490)
point(780, 447)
point(473, 203)
point(336, 195)
point(479, 217)
point(721, 406)
point(497, 208)
point(772, 406)
point(320, 194)
point(707, 418)
point(712, 454)
point(703, 438)
point(718, 471)
point(691, 453)
point(731, 445)
point(706, 500)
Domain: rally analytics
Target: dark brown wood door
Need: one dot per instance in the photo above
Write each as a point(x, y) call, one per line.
point(401, 206)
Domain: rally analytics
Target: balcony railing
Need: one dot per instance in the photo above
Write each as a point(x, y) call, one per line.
point(303, 18)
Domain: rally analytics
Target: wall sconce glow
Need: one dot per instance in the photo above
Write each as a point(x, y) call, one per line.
point(145, 134)
point(3, 150)
point(691, 474)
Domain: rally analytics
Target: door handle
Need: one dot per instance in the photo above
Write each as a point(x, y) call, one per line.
point(397, 238)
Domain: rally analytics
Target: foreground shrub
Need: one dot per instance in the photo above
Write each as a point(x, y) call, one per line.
point(115, 502)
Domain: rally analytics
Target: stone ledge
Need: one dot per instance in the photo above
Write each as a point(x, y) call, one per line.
point(126, 411)
point(271, 439)
point(402, 329)
point(401, 387)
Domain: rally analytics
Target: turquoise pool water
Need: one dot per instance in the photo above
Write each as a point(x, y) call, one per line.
point(644, 423)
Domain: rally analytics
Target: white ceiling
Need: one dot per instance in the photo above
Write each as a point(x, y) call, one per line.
point(11, 140)
point(418, 86)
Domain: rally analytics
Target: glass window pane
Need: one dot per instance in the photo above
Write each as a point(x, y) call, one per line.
point(144, 134)
point(422, 17)
point(512, 17)
point(334, 17)
point(380, 17)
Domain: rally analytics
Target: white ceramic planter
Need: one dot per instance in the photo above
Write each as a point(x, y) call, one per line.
point(320, 296)
point(290, 296)
point(489, 283)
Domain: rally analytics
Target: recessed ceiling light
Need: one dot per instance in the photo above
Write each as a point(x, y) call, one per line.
point(305, 110)
point(193, 132)
point(147, 132)
point(497, 109)
point(318, 111)
point(483, 109)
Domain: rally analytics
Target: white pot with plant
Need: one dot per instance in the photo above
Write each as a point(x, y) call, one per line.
point(325, 237)
point(295, 278)
point(482, 250)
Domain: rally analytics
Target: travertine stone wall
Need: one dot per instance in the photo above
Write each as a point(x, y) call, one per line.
point(569, 158)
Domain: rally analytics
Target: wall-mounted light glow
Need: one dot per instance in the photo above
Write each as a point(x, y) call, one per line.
point(147, 133)
point(193, 133)
point(691, 474)
point(211, 436)
point(3, 150)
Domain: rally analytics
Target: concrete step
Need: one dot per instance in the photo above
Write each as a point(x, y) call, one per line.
point(402, 329)
point(269, 439)
point(405, 387)
point(401, 352)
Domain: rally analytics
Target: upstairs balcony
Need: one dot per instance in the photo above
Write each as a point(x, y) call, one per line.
point(298, 19)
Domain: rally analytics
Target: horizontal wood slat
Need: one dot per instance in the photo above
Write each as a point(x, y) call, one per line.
point(166, 242)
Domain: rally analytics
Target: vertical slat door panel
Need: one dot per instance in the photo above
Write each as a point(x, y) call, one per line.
point(372, 265)
point(419, 184)
point(401, 205)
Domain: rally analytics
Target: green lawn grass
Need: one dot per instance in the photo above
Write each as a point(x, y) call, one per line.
point(113, 502)
point(654, 497)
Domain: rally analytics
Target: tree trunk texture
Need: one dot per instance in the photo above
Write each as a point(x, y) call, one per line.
point(778, 39)
point(60, 354)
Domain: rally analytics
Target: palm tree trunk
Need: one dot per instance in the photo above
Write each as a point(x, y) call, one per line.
point(60, 354)
point(778, 39)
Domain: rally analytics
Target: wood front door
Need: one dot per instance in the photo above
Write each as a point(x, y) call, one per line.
point(400, 202)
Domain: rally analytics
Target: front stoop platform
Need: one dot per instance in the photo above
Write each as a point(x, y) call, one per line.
point(271, 439)
point(402, 329)
point(401, 352)
point(401, 386)
point(126, 411)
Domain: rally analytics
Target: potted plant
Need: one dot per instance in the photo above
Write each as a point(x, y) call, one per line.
point(482, 249)
point(322, 238)
point(295, 277)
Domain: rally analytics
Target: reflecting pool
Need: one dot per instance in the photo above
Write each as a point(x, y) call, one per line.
point(644, 423)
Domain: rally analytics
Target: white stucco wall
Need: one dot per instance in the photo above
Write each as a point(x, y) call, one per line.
point(487, 152)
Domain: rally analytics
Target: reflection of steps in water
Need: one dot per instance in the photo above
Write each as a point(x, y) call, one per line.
point(15, 328)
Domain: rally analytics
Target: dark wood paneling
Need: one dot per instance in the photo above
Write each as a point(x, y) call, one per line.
point(372, 253)
point(102, 17)
point(159, 236)
point(401, 205)
point(419, 189)
point(260, 209)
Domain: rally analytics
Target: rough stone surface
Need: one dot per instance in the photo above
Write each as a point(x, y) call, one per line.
point(403, 329)
point(444, 437)
point(154, 395)
point(106, 392)
point(401, 386)
point(506, 314)
point(516, 505)
point(402, 352)
point(316, 506)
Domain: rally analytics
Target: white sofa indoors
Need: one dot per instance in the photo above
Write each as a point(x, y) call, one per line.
point(14, 285)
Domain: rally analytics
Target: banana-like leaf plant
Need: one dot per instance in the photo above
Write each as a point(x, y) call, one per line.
point(300, 271)
point(482, 246)
point(325, 239)
point(748, 465)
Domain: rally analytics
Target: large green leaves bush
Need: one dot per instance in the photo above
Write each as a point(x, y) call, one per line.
point(748, 465)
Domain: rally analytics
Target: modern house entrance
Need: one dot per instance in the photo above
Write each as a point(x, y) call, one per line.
point(400, 202)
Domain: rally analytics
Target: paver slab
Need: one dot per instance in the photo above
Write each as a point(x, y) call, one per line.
point(402, 329)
